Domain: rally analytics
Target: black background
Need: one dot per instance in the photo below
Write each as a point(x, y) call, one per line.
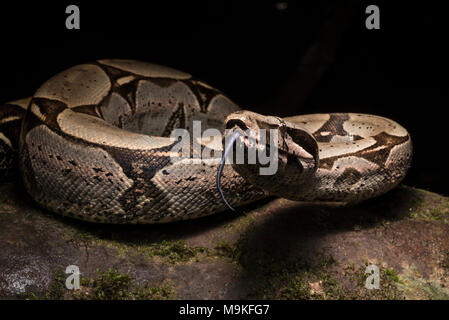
point(255, 53)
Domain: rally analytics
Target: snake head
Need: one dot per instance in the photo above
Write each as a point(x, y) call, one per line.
point(278, 156)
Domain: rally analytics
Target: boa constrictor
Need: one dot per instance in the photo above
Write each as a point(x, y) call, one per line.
point(92, 143)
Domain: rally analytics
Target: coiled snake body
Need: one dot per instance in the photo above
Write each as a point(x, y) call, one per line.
point(94, 145)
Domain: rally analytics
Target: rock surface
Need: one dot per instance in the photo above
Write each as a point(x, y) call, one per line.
point(275, 249)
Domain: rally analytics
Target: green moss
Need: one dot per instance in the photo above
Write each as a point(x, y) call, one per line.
point(6, 204)
point(330, 287)
point(388, 285)
point(428, 206)
point(417, 199)
point(165, 291)
point(445, 261)
point(276, 277)
point(297, 288)
point(414, 286)
point(433, 290)
point(56, 291)
point(80, 236)
point(439, 213)
point(31, 296)
point(351, 266)
point(108, 285)
point(57, 287)
point(391, 275)
point(351, 283)
point(111, 285)
point(244, 223)
point(280, 279)
point(224, 249)
point(174, 251)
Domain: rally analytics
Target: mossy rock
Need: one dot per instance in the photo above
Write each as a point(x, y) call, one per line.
point(274, 249)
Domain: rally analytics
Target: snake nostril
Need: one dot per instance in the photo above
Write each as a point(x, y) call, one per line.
point(294, 159)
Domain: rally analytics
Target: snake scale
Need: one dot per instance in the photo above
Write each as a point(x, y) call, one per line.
point(93, 143)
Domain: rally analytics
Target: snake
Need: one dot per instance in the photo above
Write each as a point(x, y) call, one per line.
point(95, 142)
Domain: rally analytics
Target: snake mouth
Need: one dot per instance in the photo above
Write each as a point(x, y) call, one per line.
point(269, 146)
point(237, 125)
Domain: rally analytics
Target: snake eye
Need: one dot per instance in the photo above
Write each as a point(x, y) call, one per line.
point(236, 123)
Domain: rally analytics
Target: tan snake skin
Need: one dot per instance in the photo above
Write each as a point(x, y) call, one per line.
point(94, 145)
